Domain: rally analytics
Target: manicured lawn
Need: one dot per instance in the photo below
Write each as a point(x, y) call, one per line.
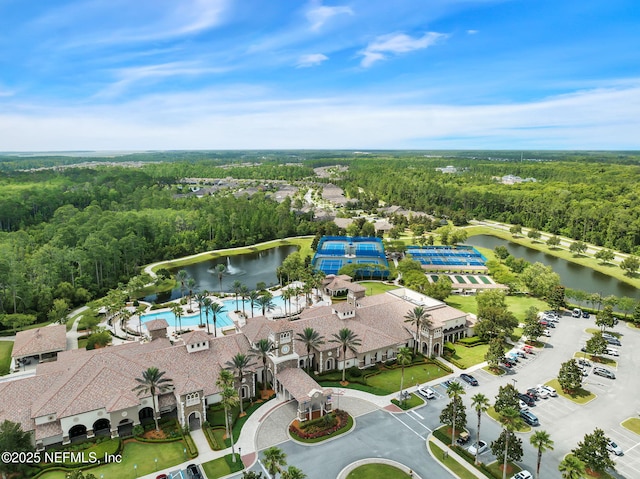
point(467, 357)
point(496, 469)
point(596, 359)
point(524, 427)
point(389, 379)
point(632, 424)
point(458, 469)
point(377, 471)
point(222, 466)
point(376, 287)
point(581, 396)
point(5, 356)
point(136, 453)
point(412, 401)
point(518, 305)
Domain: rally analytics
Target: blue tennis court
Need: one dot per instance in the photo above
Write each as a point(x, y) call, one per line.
point(447, 256)
point(358, 250)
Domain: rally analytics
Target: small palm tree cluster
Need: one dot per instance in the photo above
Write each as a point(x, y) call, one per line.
point(275, 460)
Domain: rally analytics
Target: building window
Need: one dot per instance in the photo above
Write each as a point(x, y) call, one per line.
point(193, 399)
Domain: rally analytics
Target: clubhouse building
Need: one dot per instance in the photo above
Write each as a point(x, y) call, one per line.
point(86, 393)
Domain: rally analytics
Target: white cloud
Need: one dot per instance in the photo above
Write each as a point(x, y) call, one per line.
point(311, 60)
point(318, 16)
point(472, 32)
point(397, 43)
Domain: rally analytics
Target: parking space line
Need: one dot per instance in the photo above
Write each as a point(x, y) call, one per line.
point(414, 412)
point(407, 426)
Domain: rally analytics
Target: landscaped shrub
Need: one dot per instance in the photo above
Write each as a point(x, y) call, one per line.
point(323, 426)
point(449, 347)
point(472, 341)
point(354, 372)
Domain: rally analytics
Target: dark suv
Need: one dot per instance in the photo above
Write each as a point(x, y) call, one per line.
point(528, 400)
point(193, 472)
point(468, 378)
point(529, 418)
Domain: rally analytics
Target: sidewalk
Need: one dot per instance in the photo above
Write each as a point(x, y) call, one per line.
point(453, 455)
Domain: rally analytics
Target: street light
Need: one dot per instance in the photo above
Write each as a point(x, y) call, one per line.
point(135, 470)
point(156, 463)
point(240, 454)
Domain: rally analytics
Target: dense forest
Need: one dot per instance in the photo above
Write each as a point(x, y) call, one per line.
point(72, 228)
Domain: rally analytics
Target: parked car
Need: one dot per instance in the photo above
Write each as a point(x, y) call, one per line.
point(161, 476)
point(576, 313)
point(552, 392)
point(604, 372)
point(193, 471)
point(533, 392)
point(479, 446)
point(584, 363)
point(513, 357)
point(522, 405)
point(546, 333)
point(468, 378)
point(528, 349)
point(524, 474)
point(612, 352)
point(528, 400)
point(529, 418)
point(585, 315)
point(426, 392)
point(543, 393)
point(551, 324)
point(613, 341)
point(614, 448)
point(463, 438)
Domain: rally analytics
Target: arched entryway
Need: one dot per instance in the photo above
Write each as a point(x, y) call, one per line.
point(78, 432)
point(436, 349)
point(245, 392)
point(145, 415)
point(194, 420)
point(125, 428)
point(102, 427)
point(330, 364)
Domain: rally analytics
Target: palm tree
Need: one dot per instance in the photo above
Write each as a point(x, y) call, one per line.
point(454, 391)
point(293, 473)
point(347, 340)
point(206, 304)
point(286, 296)
point(200, 297)
point(191, 285)
point(274, 460)
point(176, 309)
point(244, 292)
point(225, 382)
point(572, 468)
point(403, 358)
point(542, 441)
point(239, 363)
point(216, 308)
point(262, 349)
point(253, 297)
point(236, 287)
point(311, 339)
point(510, 419)
point(153, 383)
point(220, 269)
point(181, 277)
point(480, 403)
point(265, 301)
point(416, 317)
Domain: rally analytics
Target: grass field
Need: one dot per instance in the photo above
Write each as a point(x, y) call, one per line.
point(142, 455)
point(389, 379)
point(632, 424)
point(412, 401)
point(582, 396)
point(518, 305)
point(376, 287)
point(5, 356)
point(223, 466)
point(377, 471)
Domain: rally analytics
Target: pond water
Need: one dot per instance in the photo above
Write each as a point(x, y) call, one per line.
point(572, 275)
point(249, 268)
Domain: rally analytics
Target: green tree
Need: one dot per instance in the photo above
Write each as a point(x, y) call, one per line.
point(274, 459)
point(418, 317)
point(262, 349)
point(532, 328)
point(207, 303)
point(403, 358)
point(293, 472)
point(592, 450)
point(501, 252)
point(265, 302)
point(630, 265)
point(553, 242)
point(596, 345)
point(570, 376)
point(605, 318)
point(312, 339)
point(79, 475)
point(572, 468)
point(240, 362)
point(494, 317)
point(495, 353)
point(176, 309)
point(534, 234)
point(506, 398)
point(153, 383)
point(540, 280)
point(236, 287)
point(225, 384)
point(252, 475)
point(58, 312)
point(17, 320)
point(578, 247)
point(626, 305)
point(555, 297)
point(181, 278)
point(216, 309)
point(515, 230)
point(13, 439)
point(512, 451)
point(480, 403)
point(458, 417)
point(605, 255)
point(347, 339)
point(191, 286)
point(542, 442)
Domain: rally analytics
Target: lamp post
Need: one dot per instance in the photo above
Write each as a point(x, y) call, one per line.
point(156, 460)
point(135, 470)
point(240, 454)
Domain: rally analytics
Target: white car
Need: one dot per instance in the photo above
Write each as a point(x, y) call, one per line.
point(426, 392)
point(524, 474)
point(480, 447)
point(542, 392)
point(614, 448)
point(612, 352)
point(546, 333)
point(523, 405)
point(552, 392)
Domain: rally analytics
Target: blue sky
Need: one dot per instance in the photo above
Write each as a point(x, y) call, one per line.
point(360, 74)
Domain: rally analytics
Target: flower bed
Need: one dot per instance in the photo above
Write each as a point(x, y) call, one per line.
point(320, 427)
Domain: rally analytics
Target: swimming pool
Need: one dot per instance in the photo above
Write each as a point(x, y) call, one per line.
point(222, 319)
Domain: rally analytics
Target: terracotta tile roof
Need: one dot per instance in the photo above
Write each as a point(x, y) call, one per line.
point(156, 324)
point(40, 340)
point(196, 336)
point(49, 429)
point(299, 384)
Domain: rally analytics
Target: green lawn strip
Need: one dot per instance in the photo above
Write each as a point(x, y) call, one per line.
point(377, 287)
point(5, 356)
point(377, 471)
point(596, 359)
point(412, 401)
point(239, 422)
point(389, 379)
point(598, 330)
point(458, 469)
point(518, 305)
point(356, 386)
point(524, 427)
point(347, 427)
point(587, 261)
point(222, 466)
point(136, 453)
point(465, 357)
point(496, 469)
point(498, 372)
point(581, 396)
point(632, 424)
